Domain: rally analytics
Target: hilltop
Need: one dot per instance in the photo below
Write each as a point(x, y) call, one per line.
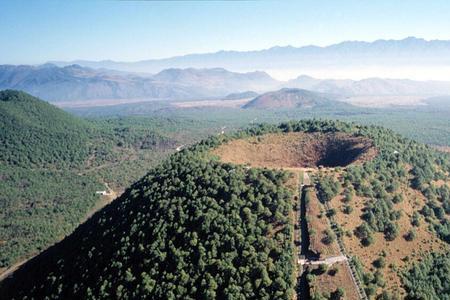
point(290, 98)
point(201, 226)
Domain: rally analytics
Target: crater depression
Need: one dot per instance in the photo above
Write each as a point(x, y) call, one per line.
point(298, 150)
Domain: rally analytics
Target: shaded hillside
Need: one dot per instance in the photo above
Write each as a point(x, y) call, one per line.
point(289, 98)
point(74, 82)
point(195, 227)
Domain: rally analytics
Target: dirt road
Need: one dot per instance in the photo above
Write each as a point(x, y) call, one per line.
point(328, 261)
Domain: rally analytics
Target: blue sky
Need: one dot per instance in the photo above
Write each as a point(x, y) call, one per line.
point(39, 31)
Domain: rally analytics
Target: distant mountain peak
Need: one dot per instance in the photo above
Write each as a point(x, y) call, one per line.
point(47, 65)
point(76, 82)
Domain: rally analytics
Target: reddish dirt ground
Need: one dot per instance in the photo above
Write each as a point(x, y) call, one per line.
point(318, 224)
point(297, 150)
point(399, 252)
point(329, 282)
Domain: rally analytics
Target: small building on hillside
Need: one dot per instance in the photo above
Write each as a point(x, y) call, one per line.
point(103, 193)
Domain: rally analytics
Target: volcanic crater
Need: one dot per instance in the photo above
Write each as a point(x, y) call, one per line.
point(298, 150)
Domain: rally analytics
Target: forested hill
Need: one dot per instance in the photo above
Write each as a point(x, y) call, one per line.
point(197, 228)
point(34, 132)
point(190, 229)
point(52, 163)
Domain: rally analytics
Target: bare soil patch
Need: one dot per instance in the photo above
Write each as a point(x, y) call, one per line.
point(337, 276)
point(386, 100)
point(318, 225)
point(212, 103)
point(297, 150)
point(399, 252)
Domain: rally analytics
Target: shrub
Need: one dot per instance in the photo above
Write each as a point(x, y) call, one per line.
point(323, 268)
point(379, 263)
point(391, 231)
point(410, 235)
point(347, 209)
point(329, 237)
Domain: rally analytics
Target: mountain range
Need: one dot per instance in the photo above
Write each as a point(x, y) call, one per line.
point(77, 83)
point(407, 52)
